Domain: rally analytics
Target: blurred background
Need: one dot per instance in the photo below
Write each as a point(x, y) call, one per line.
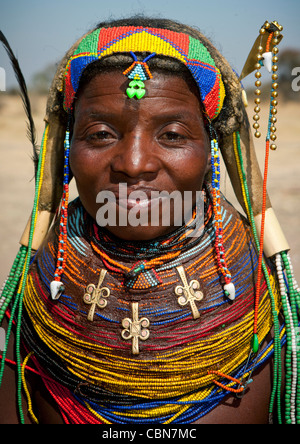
point(40, 32)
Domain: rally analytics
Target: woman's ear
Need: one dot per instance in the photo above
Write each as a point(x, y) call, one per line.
point(208, 165)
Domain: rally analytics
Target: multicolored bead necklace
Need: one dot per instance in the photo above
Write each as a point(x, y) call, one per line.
point(162, 399)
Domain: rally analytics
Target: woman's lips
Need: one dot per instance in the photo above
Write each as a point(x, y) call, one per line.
point(139, 203)
point(138, 198)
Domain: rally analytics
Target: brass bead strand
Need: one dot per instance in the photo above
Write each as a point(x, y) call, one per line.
point(274, 93)
point(257, 91)
point(258, 66)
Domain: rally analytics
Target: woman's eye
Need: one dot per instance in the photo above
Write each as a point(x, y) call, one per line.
point(172, 136)
point(100, 135)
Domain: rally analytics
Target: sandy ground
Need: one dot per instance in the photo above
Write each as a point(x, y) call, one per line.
point(17, 183)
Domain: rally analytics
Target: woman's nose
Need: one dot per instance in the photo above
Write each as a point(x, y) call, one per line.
point(135, 158)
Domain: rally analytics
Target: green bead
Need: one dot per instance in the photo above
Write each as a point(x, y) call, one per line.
point(136, 89)
point(255, 343)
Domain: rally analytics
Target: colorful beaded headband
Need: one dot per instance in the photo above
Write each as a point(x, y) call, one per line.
point(186, 49)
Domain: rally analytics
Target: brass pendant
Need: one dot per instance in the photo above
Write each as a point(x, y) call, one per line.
point(135, 328)
point(188, 293)
point(96, 296)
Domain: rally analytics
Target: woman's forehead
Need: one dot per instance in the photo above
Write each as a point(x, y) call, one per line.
point(107, 90)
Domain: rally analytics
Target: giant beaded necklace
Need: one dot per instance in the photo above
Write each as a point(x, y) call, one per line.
point(173, 373)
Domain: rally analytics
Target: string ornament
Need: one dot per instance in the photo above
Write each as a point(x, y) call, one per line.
point(138, 72)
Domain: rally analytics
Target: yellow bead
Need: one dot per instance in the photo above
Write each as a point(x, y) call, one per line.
point(257, 134)
point(256, 117)
point(273, 137)
point(273, 146)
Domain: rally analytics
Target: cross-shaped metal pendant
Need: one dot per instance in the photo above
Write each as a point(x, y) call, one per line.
point(188, 293)
point(96, 296)
point(135, 328)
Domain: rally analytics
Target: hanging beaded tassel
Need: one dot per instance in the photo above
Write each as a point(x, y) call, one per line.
point(13, 291)
point(56, 286)
point(266, 51)
point(229, 288)
point(138, 72)
point(269, 61)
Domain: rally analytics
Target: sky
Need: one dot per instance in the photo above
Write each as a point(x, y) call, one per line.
point(40, 31)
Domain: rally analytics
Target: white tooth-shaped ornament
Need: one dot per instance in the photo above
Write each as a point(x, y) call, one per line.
point(56, 289)
point(267, 59)
point(230, 291)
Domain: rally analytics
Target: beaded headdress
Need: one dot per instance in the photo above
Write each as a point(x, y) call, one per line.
point(191, 52)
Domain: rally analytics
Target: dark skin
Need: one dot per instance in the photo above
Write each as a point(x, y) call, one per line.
point(156, 143)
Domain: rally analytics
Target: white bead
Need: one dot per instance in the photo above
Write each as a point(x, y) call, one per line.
point(267, 56)
point(56, 289)
point(230, 288)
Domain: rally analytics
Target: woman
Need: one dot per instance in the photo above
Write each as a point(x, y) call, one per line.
point(126, 318)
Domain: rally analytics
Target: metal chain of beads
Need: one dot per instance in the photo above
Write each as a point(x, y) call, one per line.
point(273, 38)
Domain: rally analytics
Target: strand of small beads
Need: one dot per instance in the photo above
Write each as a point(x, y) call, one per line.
point(56, 286)
point(292, 362)
point(295, 367)
point(12, 281)
point(229, 288)
point(276, 390)
point(17, 281)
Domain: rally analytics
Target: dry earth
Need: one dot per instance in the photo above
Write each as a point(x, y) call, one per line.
point(17, 183)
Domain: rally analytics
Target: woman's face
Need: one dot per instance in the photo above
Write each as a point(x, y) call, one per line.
point(137, 150)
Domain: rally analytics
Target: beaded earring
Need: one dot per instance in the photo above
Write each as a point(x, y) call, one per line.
point(56, 286)
point(138, 72)
point(229, 287)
